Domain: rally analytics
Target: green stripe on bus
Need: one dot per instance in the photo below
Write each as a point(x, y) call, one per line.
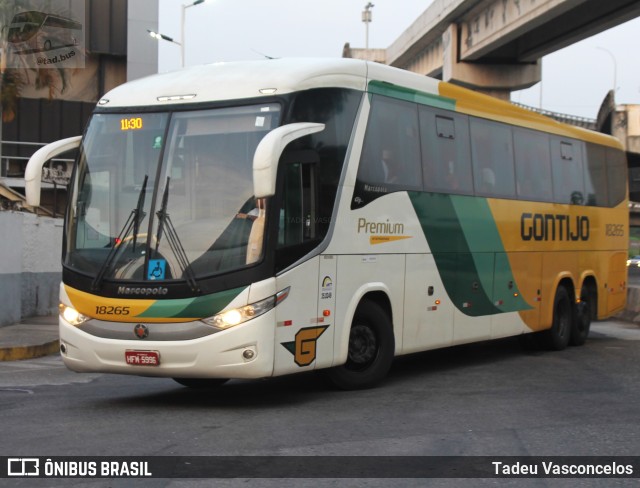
point(481, 235)
point(409, 95)
point(468, 252)
point(199, 307)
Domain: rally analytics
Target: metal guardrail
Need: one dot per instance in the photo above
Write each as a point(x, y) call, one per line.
point(57, 173)
point(51, 174)
point(583, 122)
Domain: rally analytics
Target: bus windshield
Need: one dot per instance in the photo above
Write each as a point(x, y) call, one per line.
point(159, 196)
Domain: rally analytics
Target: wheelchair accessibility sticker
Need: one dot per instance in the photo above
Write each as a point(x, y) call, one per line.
point(157, 268)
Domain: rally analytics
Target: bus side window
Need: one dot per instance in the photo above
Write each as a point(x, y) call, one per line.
point(492, 156)
point(445, 151)
point(533, 165)
point(567, 172)
point(616, 176)
point(595, 176)
point(390, 158)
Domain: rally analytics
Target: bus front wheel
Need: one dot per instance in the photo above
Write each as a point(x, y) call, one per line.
point(371, 350)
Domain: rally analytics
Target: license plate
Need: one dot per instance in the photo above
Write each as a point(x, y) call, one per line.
point(142, 358)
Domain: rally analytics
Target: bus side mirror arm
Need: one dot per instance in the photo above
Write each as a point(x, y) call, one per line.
point(268, 152)
point(33, 172)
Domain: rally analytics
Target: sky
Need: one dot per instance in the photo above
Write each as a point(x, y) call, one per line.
point(575, 80)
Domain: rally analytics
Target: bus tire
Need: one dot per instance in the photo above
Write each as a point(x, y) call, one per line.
point(582, 319)
point(557, 337)
point(371, 350)
point(201, 383)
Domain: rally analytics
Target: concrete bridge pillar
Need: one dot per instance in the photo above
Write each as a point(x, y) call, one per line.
point(494, 79)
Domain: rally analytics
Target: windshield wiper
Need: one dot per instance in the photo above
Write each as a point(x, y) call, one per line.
point(133, 222)
point(139, 212)
point(174, 241)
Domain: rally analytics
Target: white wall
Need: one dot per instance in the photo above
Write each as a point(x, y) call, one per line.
point(30, 267)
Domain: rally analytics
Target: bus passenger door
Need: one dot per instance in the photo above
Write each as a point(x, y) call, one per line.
point(298, 336)
point(304, 335)
point(326, 309)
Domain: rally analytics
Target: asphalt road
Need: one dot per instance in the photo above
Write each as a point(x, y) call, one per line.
point(489, 399)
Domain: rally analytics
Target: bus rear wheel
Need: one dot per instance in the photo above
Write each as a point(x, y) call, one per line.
point(557, 337)
point(201, 383)
point(582, 320)
point(371, 350)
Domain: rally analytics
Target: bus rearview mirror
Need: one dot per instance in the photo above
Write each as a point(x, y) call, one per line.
point(268, 152)
point(33, 172)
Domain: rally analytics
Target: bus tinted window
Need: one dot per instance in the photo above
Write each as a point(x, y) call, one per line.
point(566, 167)
point(336, 109)
point(595, 176)
point(533, 165)
point(445, 151)
point(390, 158)
point(310, 169)
point(492, 156)
point(616, 176)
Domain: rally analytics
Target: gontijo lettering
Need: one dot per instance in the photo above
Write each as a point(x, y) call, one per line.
point(554, 227)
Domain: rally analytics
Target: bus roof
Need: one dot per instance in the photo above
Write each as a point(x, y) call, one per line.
point(252, 79)
point(239, 80)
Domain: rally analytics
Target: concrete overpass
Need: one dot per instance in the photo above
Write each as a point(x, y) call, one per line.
point(495, 46)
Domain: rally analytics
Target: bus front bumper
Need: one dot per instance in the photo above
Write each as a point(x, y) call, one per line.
point(243, 351)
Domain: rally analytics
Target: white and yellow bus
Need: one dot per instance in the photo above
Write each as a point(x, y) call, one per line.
point(249, 220)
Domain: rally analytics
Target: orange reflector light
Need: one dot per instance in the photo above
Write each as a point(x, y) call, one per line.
point(437, 302)
point(326, 313)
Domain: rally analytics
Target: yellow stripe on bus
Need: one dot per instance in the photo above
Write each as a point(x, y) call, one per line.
point(114, 309)
point(478, 104)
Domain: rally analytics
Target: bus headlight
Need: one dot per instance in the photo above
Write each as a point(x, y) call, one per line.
point(236, 316)
point(71, 315)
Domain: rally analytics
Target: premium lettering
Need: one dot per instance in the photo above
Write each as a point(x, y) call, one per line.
point(554, 227)
point(387, 227)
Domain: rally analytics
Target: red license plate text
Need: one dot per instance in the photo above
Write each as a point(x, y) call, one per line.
point(142, 358)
